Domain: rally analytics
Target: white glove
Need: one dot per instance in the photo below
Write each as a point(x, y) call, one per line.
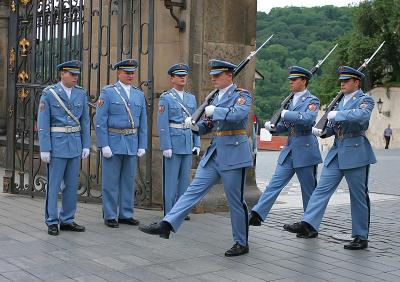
point(106, 152)
point(332, 115)
point(209, 110)
point(167, 153)
point(188, 122)
point(283, 113)
point(316, 131)
point(196, 151)
point(141, 152)
point(268, 126)
point(85, 153)
point(45, 156)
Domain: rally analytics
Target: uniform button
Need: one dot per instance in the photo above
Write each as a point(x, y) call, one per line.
point(236, 143)
point(69, 117)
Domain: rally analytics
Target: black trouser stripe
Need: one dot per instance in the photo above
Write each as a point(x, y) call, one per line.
point(163, 183)
point(47, 191)
point(367, 197)
point(315, 175)
point(244, 203)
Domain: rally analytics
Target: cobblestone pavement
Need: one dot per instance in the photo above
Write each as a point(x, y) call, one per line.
point(195, 253)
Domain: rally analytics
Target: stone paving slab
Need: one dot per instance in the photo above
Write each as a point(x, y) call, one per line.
point(195, 253)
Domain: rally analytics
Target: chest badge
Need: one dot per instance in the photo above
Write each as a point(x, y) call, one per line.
point(241, 101)
point(312, 107)
point(42, 107)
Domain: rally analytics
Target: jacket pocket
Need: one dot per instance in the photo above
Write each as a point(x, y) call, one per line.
point(56, 110)
point(117, 108)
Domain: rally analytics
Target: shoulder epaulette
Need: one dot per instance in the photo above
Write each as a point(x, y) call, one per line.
point(241, 89)
point(47, 88)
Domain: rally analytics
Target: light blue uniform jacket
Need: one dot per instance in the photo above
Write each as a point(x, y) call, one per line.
point(181, 141)
point(51, 114)
point(351, 118)
point(298, 121)
point(111, 113)
point(231, 113)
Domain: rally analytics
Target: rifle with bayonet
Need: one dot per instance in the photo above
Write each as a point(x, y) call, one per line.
point(196, 116)
point(285, 104)
point(321, 124)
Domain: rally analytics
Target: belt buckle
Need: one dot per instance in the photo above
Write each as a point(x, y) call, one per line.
point(292, 131)
point(68, 129)
point(125, 131)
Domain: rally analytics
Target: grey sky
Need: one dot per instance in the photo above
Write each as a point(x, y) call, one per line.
point(267, 5)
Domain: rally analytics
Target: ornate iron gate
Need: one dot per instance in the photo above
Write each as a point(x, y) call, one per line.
point(44, 33)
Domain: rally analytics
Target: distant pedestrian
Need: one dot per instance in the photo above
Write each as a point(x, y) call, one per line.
point(387, 134)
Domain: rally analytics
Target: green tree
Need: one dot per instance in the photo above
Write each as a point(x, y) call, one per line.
point(302, 36)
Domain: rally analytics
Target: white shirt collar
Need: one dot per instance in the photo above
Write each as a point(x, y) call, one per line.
point(180, 93)
point(347, 97)
point(66, 89)
point(126, 87)
point(297, 95)
point(223, 90)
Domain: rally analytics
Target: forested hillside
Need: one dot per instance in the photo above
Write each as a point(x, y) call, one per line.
point(305, 35)
point(302, 37)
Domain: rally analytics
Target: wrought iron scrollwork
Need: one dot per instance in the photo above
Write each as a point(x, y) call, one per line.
point(48, 33)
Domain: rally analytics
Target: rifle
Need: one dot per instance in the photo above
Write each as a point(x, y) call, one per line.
point(321, 124)
point(285, 104)
point(211, 96)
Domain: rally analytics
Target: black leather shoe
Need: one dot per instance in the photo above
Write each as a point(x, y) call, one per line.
point(72, 227)
point(237, 250)
point(357, 244)
point(52, 229)
point(306, 231)
point(129, 221)
point(255, 219)
point(111, 223)
point(156, 228)
point(187, 217)
point(293, 228)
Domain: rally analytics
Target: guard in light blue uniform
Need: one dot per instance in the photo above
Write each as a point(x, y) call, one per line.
point(301, 155)
point(349, 157)
point(226, 158)
point(176, 138)
point(64, 137)
point(121, 129)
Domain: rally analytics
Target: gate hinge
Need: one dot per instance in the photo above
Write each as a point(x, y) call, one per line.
point(181, 25)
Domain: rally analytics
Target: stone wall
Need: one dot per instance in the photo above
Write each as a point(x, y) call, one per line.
point(390, 114)
point(224, 29)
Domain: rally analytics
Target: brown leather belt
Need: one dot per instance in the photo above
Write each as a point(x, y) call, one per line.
point(123, 131)
point(349, 134)
point(294, 133)
point(230, 132)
